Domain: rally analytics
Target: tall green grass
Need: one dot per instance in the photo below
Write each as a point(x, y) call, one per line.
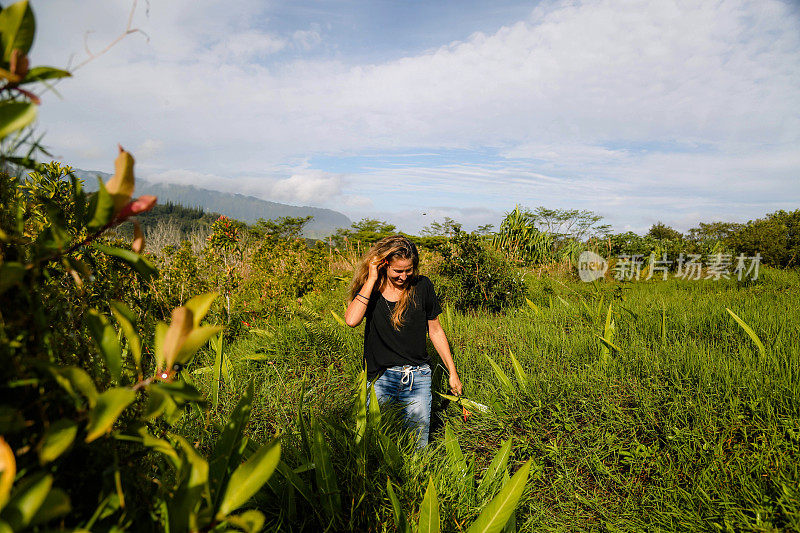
point(683, 425)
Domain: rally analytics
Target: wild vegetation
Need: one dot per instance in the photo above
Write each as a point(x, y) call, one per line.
point(208, 383)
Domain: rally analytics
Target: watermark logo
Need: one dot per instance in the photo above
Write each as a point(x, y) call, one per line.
point(591, 266)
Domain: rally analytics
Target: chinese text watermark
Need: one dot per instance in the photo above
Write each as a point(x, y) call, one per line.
point(634, 267)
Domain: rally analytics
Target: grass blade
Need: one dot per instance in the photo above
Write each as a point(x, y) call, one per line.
point(326, 477)
point(498, 511)
point(501, 377)
point(454, 453)
point(361, 406)
point(496, 467)
point(608, 344)
point(399, 518)
point(519, 372)
point(752, 334)
point(217, 346)
point(249, 477)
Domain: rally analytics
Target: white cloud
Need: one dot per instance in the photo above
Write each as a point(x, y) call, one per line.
point(307, 186)
point(148, 149)
point(551, 93)
point(247, 46)
point(307, 39)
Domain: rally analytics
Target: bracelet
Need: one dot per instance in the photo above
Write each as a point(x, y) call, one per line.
point(361, 302)
point(359, 294)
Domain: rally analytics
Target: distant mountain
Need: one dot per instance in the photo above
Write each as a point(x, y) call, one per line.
point(245, 208)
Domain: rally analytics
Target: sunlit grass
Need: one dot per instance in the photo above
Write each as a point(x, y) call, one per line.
point(687, 426)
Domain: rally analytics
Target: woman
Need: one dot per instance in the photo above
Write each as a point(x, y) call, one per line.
point(400, 306)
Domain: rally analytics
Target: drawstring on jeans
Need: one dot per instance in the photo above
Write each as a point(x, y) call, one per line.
point(408, 377)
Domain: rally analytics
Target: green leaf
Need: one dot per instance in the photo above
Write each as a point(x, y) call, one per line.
point(45, 73)
point(508, 387)
point(457, 461)
point(17, 26)
point(200, 304)
point(138, 432)
point(519, 372)
point(747, 329)
point(498, 511)
point(110, 405)
point(75, 380)
point(496, 468)
point(194, 341)
point(57, 439)
point(194, 482)
point(399, 517)
point(11, 273)
point(158, 343)
point(607, 339)
point(15, 116)
point(391, 453)
point(139, 263)
point(251, 521)
point(218, 345)
point(127, 321)
point(180, 392)
point(26, 500)
point(105, 337)
point(227, 451)
point(337, 318)
point(374, 408)
point(511, 525)
point(250, 477)
point(469, 404)
point(608, 344)
point(157, 402)
point(296, 481)
point(325, 475)
point(361, 406)
point(429, 511)
point(101, 207)
point(55, 505)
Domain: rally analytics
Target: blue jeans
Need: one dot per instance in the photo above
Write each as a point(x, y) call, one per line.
point(411, 386)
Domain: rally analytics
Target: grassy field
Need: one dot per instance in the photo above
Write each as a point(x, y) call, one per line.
point(679, 422)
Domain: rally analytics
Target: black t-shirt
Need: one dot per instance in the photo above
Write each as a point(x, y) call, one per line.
point(385, 346)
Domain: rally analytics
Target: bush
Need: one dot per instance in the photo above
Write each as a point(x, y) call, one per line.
point(472, 275)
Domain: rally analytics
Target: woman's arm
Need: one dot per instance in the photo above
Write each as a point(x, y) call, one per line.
point(355, 311)
point(439, 340)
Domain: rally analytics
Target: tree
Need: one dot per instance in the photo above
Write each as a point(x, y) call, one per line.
point(441, 229)
point(662, 232)
point(713, 231)
point(365, 231)
point(484, 229)
point(281, 228)
point(776, 237)
point(569, 223)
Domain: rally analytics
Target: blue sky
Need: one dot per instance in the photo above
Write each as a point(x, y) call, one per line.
point(639, 111)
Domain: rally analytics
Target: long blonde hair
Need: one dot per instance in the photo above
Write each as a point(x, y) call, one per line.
point(388, 248)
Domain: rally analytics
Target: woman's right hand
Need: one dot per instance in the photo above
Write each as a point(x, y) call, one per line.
point(375, 266)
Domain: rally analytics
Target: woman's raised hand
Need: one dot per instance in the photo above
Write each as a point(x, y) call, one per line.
point(375, 266)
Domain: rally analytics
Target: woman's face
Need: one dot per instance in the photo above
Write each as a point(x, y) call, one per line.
point(399, 271)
